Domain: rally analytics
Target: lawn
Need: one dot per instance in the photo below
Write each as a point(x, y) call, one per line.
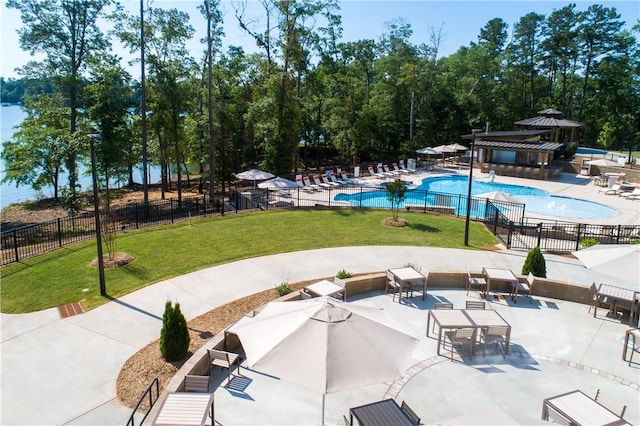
point(66, 275)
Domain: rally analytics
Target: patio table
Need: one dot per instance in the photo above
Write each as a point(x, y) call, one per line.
point(448, 319)
point(576, 408)
point(324, 288)
point(409, 276)
point(615, 294)
point(382, 413)
point(184, 408)
point(488, 318)
point(498, 274)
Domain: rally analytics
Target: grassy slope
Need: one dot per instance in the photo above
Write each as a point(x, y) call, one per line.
point(162, 252)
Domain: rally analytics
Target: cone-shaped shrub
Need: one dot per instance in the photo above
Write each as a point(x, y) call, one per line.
point(535, 264)
point(174, 336)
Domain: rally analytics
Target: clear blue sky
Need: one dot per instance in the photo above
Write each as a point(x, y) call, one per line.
point(461, 21)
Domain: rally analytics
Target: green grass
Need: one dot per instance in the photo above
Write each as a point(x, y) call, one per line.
point(66, 276)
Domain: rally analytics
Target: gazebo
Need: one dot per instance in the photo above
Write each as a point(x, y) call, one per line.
point(561, 129)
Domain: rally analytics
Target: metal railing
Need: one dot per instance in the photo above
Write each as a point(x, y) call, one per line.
point(150, 398)
point(506, 220)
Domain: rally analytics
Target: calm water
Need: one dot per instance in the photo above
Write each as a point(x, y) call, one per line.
point(13, 115)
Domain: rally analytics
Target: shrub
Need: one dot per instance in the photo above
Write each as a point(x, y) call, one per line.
point(588, 242)
point(535, 264)
point(174, 336)
point(343, 273)
point(283, 289)
point(413, 266)
point(570, 151)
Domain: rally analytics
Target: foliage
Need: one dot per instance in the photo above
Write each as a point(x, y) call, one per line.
point(61, 277)
point(588, 242)
point(396, 191)
point(343, 273)
point(413, 266)
point(535, 264)
point(570, 151)
point(283, 289)
point(174, 335)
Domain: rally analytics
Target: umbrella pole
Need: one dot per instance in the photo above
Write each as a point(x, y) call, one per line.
point(323, 395)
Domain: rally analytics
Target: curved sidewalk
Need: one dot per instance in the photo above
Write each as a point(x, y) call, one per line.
point(64, 371)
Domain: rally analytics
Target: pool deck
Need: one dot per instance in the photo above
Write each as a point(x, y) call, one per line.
point(568, 185)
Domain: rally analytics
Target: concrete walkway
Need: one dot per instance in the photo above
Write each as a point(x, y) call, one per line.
point(64, 371)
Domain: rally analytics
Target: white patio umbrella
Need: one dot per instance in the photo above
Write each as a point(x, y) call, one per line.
point(444, 149)
point(617, 260)
point(326, 345)
point(499, 196)
point(428, 151)
point(278, 183)
point(457, 147)
point(254, 175)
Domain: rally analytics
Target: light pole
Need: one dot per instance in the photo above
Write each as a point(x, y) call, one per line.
point(466, 223)
point(96, 209)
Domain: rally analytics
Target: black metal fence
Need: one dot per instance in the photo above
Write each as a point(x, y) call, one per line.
point(506, 220)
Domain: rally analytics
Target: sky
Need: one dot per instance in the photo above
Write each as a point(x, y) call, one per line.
point(459, 21)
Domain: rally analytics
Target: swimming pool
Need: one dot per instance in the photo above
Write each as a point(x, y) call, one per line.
point(591, 151)
point(444, 191)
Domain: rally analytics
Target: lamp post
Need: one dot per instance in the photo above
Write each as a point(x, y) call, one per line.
point(96, 209)
point(466, 223)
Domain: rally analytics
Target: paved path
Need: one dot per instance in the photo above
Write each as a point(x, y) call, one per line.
point(64, 371)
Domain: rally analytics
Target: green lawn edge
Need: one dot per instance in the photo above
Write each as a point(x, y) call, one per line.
point(162, 252)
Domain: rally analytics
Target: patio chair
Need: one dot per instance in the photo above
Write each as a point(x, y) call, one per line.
point(495, 334)
point(632, 307)
point(410, 413)
point(477, 283)
point(595, 298)
point(611, 404)
point(224, 359)
point(459, 336)
point(475, 305)
point(346, 420)
point(440, 305)
point(193, 383)
point(522, 287)
point(392, 284)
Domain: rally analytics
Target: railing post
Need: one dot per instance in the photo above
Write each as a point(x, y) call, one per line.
point(171, 208)
point(539, 234)
point(135, 212)
point(509, 235)
point(15, 245)
point(204, 205)
point(59, 232)
point(618, 234)
point(578, 238)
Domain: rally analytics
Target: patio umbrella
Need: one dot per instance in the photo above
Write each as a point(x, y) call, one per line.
point(457, 147)
point(428, 151)
point(444, 149)
point(618, 260)
point(499, 196)
point(326, 345)
point(278, 183)
point(602, 162)
point(254, 175)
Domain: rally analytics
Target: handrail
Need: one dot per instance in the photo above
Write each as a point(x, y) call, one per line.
point(152, 401)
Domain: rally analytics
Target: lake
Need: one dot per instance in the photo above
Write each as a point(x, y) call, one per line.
point(10, 117)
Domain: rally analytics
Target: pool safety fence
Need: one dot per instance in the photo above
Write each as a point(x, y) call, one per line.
point(506, 220)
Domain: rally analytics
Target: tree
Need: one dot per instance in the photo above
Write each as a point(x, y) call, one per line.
point(68, 33)
point(174, 335)
point(535, 264)
point(396, 191)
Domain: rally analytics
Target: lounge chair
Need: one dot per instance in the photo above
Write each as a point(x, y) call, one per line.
point(308, 184)
point(399, 170)
point(301, 184)
point(319, 183)
point(615, 189)
point(633, 195)
point(346, 178)
point(373, 173)
point(388, 171)
point(328, 181)
point(334, 179)
point(380, 170)
point(403, 167)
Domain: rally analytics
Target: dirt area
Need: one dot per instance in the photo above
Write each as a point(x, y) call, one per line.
point(147, 364)
point(33, 212)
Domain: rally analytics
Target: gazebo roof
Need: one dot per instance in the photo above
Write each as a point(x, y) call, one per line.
point(519, 146)
point(514, 135)
point(548, 118)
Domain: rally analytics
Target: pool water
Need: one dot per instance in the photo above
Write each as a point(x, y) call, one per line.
point(536, 200)
point(591, 151)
